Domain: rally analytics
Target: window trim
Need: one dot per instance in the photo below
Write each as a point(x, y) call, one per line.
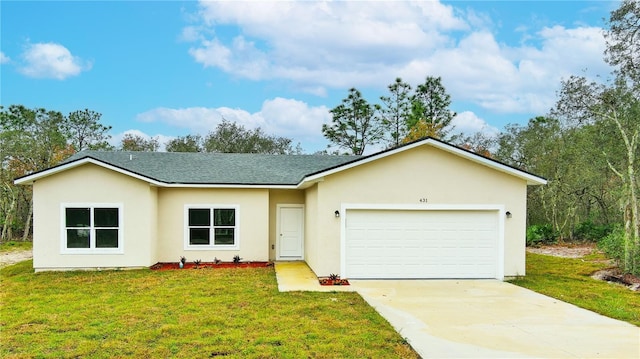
point(92, 244)
point(212, 245)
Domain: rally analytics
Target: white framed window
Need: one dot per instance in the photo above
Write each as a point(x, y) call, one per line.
point(94, 228)
point(211, 227)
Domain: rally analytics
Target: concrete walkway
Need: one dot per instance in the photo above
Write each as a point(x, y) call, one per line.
point(481, 318)
point(297, 276)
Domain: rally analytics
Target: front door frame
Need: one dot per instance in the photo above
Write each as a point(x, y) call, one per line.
point(279, 235)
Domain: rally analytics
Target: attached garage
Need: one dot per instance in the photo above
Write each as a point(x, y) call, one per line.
point(395, 243)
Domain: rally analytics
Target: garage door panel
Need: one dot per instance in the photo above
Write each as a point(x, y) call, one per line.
point(421, 244)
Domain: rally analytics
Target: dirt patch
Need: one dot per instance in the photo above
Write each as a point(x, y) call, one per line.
point(565, 251)
point(614, 275)
point(13, 257)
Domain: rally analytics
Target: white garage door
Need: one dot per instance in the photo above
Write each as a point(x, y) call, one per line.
point(421, 244)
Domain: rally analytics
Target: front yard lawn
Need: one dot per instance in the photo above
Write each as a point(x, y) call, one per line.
point(205, 313)
point(569, 279)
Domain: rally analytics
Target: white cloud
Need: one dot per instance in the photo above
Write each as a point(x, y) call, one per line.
point(518, 79)
point(190, 34)
point(279, 116)
point(51, 60)
point(318, 44)
point(322, 45)
point(469, 123)
point(4, 58)
point(292, 118)
point(196, 119)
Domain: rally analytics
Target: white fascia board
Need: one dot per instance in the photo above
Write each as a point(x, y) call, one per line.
point(531, 179)
point(198, 185)
point(46, 173)
point(32, 178)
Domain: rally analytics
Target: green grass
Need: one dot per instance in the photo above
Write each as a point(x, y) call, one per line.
point(230, 313)
point(569, 280)
point(11, 246)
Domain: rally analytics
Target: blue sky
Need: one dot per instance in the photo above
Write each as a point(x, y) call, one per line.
point(170, 68)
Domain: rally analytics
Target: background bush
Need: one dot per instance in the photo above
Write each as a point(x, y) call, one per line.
point(538, 234)
point(613, 246)
point(591, 232)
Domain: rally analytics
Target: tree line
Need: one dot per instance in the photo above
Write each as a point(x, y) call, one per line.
point(35, 139)
point(227, 137)
point(32, 140)
point(586, 145)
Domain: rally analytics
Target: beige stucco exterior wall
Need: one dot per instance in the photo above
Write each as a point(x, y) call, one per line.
point(253, 223)
point(153, 224)
point(311, 242)
point(276, 197)
point(92, 184)
point(406, 177)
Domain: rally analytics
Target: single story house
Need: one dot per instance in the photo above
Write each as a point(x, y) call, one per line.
point(427, 209)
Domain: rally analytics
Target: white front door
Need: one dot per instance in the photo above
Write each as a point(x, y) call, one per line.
point(290, 236)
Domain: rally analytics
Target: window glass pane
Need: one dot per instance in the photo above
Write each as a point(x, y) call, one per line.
point(199, 236)
point(105, 217)
point(224, 236)
point(106, 238)
point(224, 217)
point(78, 238)
point(77, 217)
point(199, 217)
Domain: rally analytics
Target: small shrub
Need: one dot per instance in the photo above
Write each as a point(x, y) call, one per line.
point(538, 234)
point(613, 246)
point(590, 232)
point(236, 259)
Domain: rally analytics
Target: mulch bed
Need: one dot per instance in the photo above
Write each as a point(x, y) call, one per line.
point(329, 281)
point(209, 265)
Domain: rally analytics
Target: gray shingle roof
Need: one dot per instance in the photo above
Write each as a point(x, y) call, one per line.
point(217, 168)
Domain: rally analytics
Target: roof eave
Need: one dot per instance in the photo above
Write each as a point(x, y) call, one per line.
point(307, 181)
point(31, 178)
point(230, 185)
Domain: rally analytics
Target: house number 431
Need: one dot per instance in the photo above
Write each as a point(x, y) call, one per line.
point(423, 200)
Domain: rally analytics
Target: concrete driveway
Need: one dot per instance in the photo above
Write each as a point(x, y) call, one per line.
point(494, 319)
